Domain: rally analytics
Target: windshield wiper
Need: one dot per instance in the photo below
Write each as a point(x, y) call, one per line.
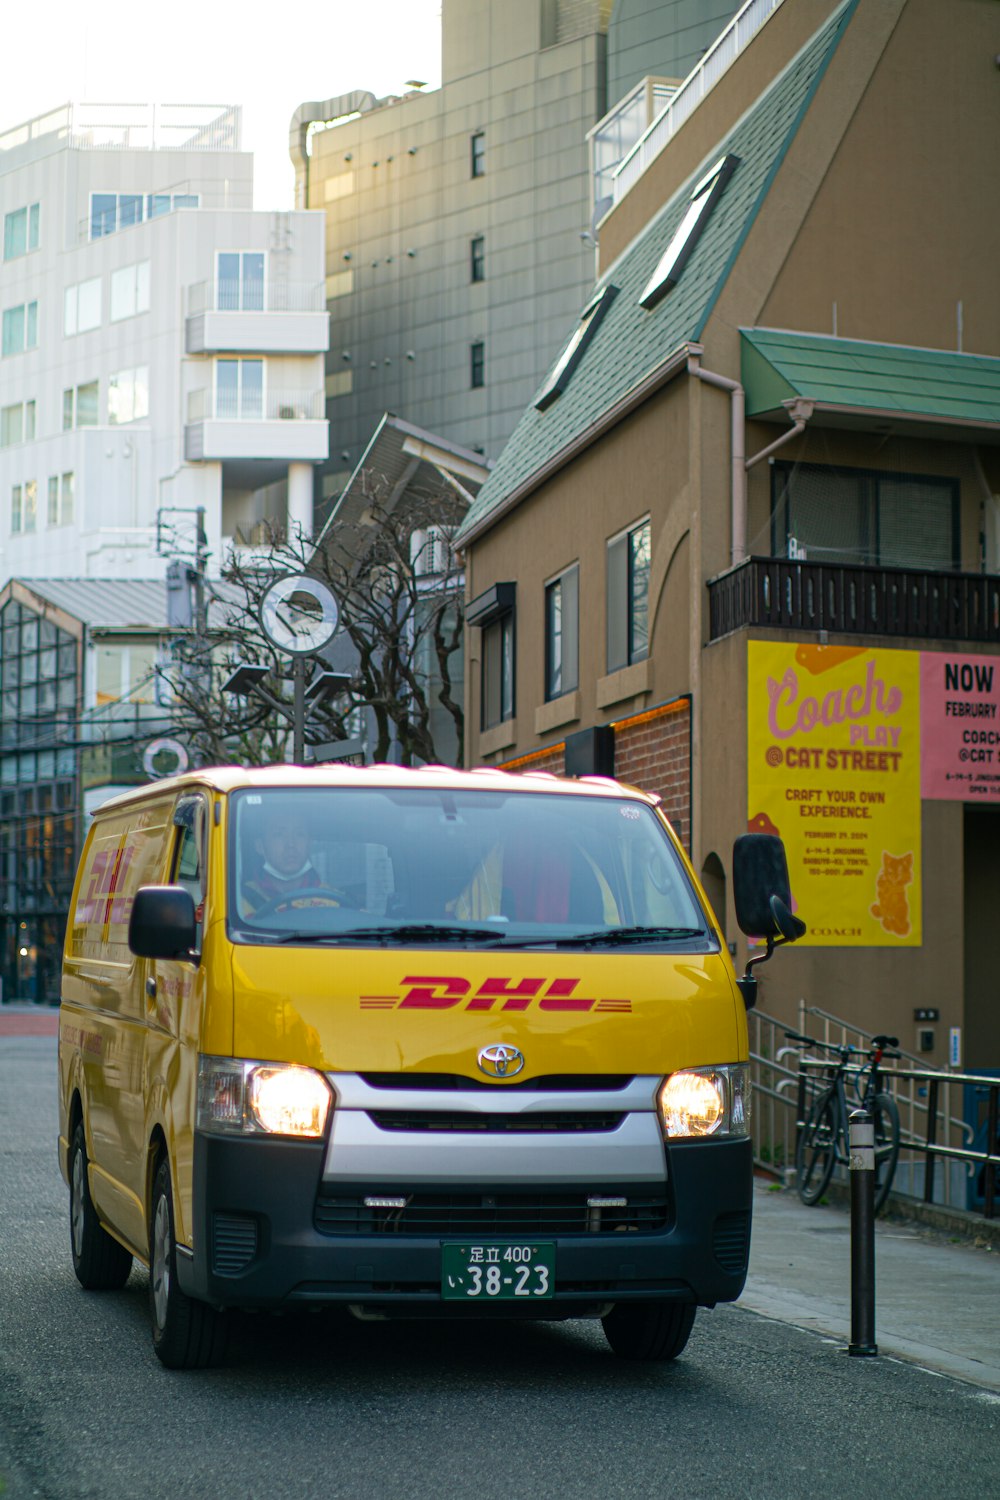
point(387, 933)
point(426, 932)
point(611, 937)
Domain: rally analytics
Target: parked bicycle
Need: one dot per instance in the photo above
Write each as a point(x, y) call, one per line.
point(824, 1135)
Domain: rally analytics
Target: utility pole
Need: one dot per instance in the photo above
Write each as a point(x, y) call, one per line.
point(201, 555)
point(299, 719)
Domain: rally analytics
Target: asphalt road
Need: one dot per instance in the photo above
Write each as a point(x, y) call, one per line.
point(319, 1405)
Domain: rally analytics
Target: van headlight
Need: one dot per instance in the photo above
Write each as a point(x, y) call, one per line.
point(238, 1096)
point(706, 1101)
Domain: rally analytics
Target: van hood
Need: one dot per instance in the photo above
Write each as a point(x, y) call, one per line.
point(432, 1011)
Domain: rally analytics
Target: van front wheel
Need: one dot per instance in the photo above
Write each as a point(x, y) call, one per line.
point(187, 1335)
point(100, 1263)
point(649, 1330)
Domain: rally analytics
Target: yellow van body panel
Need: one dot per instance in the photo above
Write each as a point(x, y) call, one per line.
point(103, 1012)
point(131, 1029)
point(358, 1011)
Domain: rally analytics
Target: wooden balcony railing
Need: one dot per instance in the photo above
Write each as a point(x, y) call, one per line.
point(855, 599)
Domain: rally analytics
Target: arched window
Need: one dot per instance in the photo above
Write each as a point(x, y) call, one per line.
point(713, 878)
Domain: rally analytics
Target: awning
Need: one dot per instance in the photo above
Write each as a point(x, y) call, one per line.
point(876, 387)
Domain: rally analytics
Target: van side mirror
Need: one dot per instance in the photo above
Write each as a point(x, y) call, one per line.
point(763, 898)
point(162, 923)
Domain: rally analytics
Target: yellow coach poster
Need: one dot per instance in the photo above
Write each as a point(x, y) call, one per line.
point(834, 768)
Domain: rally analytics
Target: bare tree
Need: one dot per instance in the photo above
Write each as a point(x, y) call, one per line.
point(398, 584)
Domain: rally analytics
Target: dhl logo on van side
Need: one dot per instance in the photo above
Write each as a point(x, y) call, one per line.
point(79, 1036)
point(102, 901)
point(439, 992)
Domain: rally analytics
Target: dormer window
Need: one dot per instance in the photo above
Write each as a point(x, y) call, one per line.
point(562, 372)
point(673, 260)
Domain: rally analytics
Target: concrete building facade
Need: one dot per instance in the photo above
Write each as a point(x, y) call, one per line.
point(662, 38)
point(455, 220)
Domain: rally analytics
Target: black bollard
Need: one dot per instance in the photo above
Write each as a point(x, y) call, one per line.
point(862, 1234)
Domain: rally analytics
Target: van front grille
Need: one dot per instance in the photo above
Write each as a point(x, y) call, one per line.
point(503, 1213)
point(564, 1083)
point(561, 1121)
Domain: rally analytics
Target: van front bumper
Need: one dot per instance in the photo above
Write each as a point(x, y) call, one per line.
point(271, 1231)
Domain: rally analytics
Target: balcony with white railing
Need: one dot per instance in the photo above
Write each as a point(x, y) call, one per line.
point(260, 317)
point(251, 424)
point(700, 81)
point(614, 136)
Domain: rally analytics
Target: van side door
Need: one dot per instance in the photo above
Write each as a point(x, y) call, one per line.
point(173, 1000)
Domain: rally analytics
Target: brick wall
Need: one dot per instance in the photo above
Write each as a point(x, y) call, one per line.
point(652, 752)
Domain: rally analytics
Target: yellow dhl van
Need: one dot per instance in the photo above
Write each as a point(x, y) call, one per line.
point(417, 1042)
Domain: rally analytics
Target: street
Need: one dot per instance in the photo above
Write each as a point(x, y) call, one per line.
point(322, 1404)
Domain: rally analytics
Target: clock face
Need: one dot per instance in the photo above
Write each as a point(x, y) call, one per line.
point(299, 614)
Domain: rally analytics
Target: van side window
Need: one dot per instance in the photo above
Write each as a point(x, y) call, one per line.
point(188, 867)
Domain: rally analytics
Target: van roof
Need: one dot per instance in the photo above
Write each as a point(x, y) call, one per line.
point(228, 779)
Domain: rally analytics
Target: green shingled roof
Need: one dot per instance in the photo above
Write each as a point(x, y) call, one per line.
point(632, 344)
point(855, 376)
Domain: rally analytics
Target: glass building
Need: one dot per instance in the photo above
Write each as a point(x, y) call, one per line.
point(77, 708)
point(39, 797)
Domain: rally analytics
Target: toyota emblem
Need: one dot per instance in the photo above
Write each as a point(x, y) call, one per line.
point(500, 1061)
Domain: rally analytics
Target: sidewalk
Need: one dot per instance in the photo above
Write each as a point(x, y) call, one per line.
point(29, 1020)
point(937, 1302)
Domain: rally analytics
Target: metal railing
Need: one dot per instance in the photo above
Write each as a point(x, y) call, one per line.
point(702, 78)
point(265, 534)
point(933, 1149)
point(928, 1100)
point(271, 296)
point(855, 598)
point(134, 127)
point(206, 405)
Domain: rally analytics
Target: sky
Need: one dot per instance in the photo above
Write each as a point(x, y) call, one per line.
point(265, 58)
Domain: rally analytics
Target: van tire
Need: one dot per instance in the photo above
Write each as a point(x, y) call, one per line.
point(101, 1264)
point(187, 1334)
point(649, 1330)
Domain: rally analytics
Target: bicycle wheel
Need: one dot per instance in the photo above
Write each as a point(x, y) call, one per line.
point(816, 1151)
point(885, 1117)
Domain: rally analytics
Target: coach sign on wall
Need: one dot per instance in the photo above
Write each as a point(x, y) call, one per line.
point(960, 724)
point(834, 768)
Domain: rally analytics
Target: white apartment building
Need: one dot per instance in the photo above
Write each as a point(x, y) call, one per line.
point(161, 344)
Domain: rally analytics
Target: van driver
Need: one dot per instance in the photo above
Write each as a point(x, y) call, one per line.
point(285, 868)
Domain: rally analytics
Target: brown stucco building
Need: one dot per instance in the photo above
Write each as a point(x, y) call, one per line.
point(775, 429)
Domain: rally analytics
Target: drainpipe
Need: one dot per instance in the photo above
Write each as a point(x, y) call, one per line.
point(738, 483)
point(800, 411)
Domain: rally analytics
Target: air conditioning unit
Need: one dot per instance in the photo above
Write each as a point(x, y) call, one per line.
point(430, 554)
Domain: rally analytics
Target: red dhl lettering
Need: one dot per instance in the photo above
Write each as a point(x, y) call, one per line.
point(446, 992)
point(103, 901)
point(424, 994)
point(86, 907)
point(121, 906)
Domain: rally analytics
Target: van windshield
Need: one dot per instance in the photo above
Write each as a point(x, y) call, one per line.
point(484, 868)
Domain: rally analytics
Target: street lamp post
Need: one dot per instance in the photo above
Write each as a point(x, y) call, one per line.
point(248, 680)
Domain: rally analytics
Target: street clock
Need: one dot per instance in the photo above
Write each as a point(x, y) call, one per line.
point(299, 614)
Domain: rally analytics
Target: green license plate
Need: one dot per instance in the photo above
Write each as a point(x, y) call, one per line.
point(497, 1273)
